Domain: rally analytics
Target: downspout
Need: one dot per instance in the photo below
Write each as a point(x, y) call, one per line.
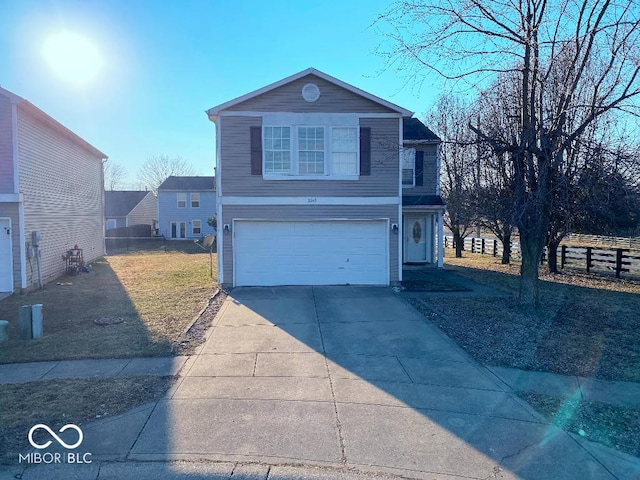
point(400, 234)
point(16, 189)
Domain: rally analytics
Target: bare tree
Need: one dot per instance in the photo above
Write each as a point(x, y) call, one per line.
point(156, 170)
point(449, 119)
point(114, 175)
point(575, 60)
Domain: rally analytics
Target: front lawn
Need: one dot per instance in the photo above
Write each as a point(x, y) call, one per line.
point(585, 326)
point(154, 294)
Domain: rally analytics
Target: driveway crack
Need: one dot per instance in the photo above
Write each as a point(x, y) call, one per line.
point(343, 456)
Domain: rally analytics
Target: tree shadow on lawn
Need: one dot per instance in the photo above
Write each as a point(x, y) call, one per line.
point(582, 328)
point(69, 312)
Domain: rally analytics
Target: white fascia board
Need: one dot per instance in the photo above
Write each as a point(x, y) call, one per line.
point(14, 147)
point(244, 113)
point(11, 198)
point(309, 71)
point(232, 200)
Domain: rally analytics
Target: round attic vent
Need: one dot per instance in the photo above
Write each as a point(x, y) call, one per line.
point(310, 92)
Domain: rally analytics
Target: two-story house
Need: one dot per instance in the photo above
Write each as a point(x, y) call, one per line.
point(312, 179)
point(184, 206)
point(51, 195)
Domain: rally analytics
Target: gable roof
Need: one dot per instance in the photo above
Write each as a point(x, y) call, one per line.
point(414, 131)
point(214, 111)
point(119, 203)
point(188, 183)
point(28, 106)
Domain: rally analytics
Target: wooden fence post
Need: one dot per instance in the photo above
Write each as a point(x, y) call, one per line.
point(619, 255)
point(589, 259)
point(483, 246)
point(473, 245)
point(563, 256)
point(495, 247)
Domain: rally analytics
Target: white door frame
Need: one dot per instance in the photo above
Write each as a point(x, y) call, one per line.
point(408, 223)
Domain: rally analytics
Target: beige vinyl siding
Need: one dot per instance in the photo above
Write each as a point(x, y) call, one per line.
point(145, 212)
point(236, 165)
point(6, 147)
point(304, 212)
point(288, 98)
point(10, 210)
point(430, 171)
point(63, 194)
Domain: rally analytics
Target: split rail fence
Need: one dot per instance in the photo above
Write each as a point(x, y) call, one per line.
point(593, 259)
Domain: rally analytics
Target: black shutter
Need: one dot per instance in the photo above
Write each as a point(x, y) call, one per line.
point(256, 150)
point(365, 151)
point(419, 168)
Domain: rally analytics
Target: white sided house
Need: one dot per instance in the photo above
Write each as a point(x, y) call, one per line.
point(321, 183)
point(51, 182)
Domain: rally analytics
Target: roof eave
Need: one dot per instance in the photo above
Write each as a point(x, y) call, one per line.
point(214, 111)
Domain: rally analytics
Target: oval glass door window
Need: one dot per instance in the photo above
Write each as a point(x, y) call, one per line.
point(417, 232)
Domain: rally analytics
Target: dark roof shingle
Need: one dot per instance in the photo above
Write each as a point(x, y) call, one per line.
point(188, 183)
point(119, 203)
point(414, 129)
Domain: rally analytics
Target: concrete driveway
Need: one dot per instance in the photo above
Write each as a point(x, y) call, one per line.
point(350, 377)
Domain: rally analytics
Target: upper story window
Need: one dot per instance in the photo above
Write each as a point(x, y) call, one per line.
point(195, 200)
point(408, 167)
point(182, 200)
point(277, 149)
point(302, 151)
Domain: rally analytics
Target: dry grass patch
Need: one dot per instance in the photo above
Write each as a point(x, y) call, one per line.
point(58, 402)
point(156, 294)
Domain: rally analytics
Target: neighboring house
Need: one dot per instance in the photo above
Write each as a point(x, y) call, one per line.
point(124, 208)
point(51, 182)
point(312, 190)
point(184, 206)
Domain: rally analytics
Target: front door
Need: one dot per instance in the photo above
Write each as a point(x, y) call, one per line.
point(416, 240)
point(6, 256)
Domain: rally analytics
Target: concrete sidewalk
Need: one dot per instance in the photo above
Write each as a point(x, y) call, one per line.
point(333, 382)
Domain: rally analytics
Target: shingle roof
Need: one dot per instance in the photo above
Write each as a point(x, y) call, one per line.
point(188, 183)
point(417, 200)
point(414, 130)
point(120, 203)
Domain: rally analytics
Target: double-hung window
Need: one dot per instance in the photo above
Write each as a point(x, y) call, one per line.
point(182, 200)
point(310, 151)
point(408, 167)
point(277, 150)
point(311, 158)
point(195, 200)
point(344, 151)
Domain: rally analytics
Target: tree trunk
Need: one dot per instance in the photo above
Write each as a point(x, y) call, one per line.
point(553, 255)
point(506, 249)
point(531, 248)
point(458, 243)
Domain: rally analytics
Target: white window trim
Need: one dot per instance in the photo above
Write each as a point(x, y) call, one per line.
point(413, 181)
point(191, 199)
point(193, 226)
point(178, 200)
point(294, 153)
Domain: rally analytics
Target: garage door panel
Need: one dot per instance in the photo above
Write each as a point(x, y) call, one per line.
point(310, 253)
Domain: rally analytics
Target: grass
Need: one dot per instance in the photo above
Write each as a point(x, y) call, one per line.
point(58, 402)
point(585, 325)
point(155, 289)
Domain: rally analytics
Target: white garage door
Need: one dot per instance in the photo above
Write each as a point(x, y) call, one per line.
point(337, 252)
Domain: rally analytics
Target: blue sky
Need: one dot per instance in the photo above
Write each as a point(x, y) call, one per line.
point(165, 62)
